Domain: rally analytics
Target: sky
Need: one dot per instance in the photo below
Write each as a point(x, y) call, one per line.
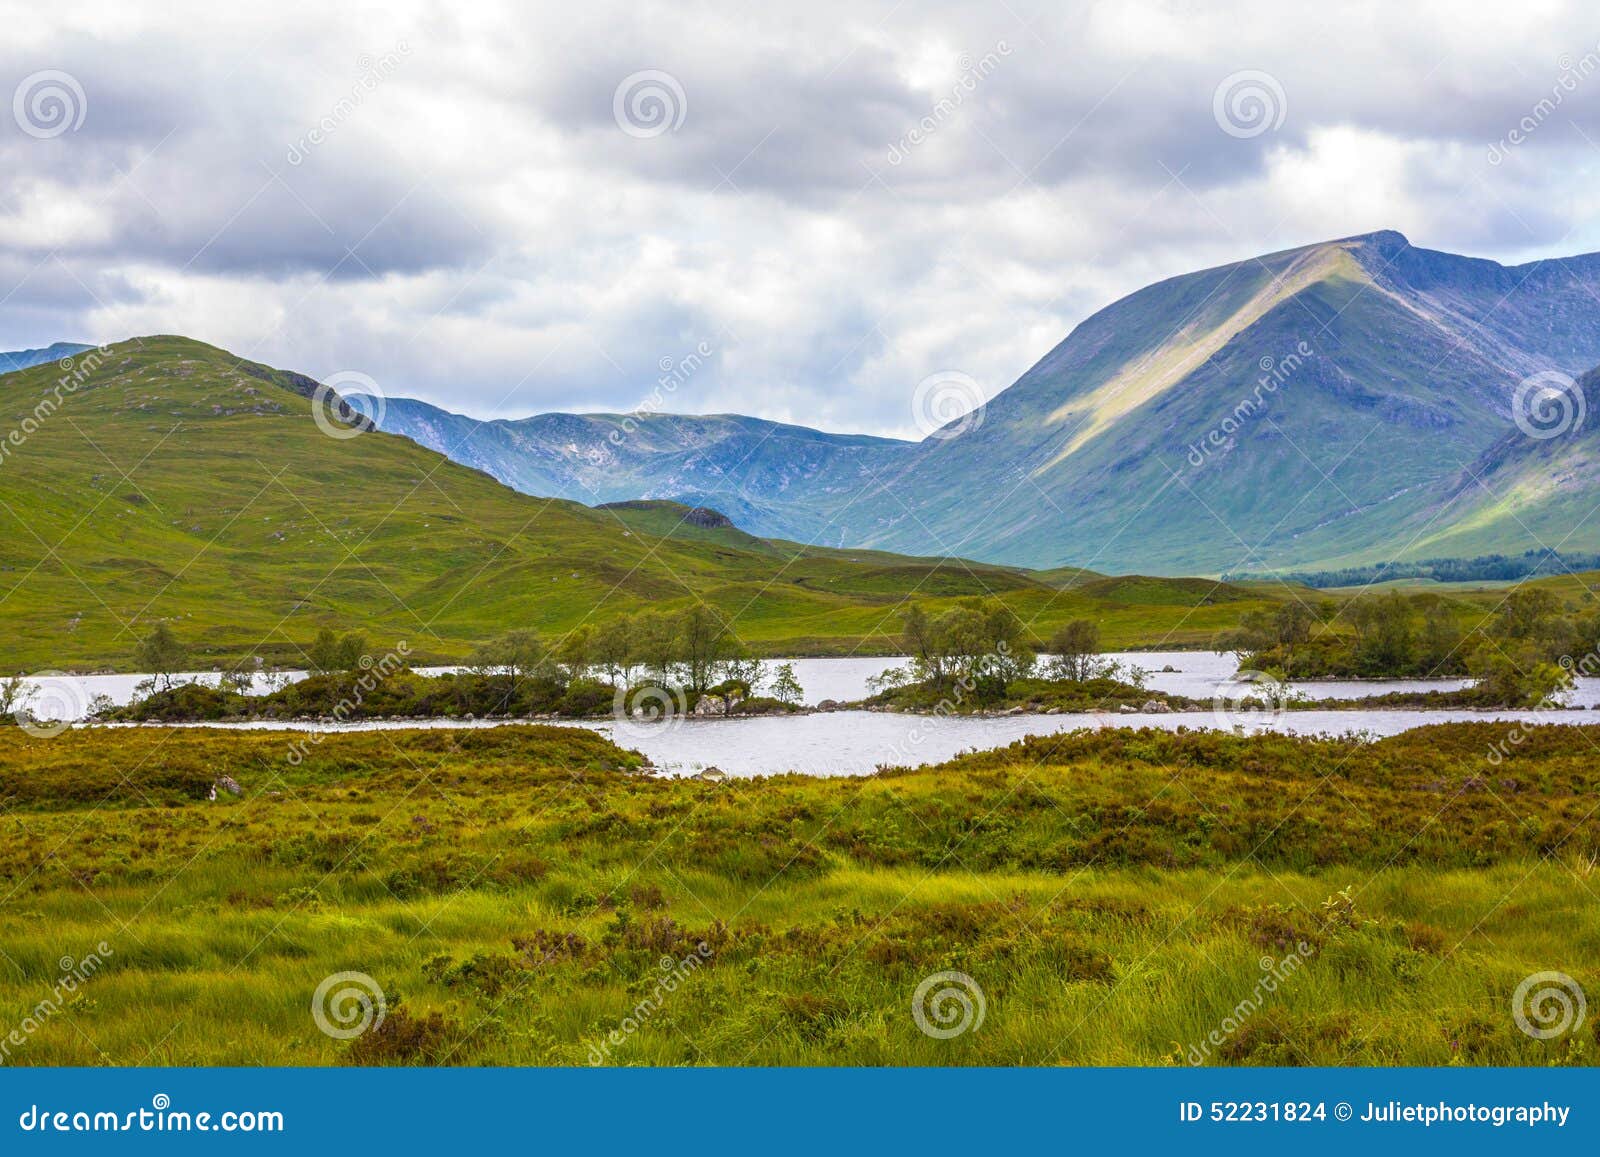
point(512, 209)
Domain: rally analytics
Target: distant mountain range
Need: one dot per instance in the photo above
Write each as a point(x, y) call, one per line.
point(1334, 405)
point(26, 359)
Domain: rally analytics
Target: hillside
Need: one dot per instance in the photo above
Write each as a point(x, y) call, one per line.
point(24, 359)
point(1321, 407)
point(180, 483)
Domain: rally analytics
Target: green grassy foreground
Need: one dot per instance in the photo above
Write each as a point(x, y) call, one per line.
point(520, 896)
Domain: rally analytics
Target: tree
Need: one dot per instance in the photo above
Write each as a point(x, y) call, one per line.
point(655, 644)
point(1385, 645)
point(921, 644)
point(611, 649)
point(1517, 676)
point(15, 694)
point(161, 655)
point(1076, 647)
point(1292, 624)
point(704, 640)
point(332, 654)
point(980, 644)
point(516, 655)
point(785, 685)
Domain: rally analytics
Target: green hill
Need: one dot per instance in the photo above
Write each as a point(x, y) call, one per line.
point(173, 481)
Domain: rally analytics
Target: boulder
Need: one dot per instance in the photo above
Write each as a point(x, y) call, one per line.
point(228, 784)
point(1155, 707)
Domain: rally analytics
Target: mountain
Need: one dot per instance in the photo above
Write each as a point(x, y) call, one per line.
point(23, 359)
point(1313, 408)
point(173, 481)
point(767, 477)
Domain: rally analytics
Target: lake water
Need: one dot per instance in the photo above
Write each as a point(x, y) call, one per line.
point(859, 742)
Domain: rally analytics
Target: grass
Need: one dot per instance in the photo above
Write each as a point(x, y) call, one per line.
point(515, 891)
point(179, 483)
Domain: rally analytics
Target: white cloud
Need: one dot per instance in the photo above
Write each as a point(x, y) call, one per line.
point(475, 229)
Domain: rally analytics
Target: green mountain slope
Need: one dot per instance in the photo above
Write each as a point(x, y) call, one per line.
point(175, 482)
point(1306, 409)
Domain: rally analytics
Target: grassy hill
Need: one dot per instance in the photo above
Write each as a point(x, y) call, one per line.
point(177, 482)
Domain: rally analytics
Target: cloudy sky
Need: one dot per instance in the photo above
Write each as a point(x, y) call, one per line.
point(511, 209)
